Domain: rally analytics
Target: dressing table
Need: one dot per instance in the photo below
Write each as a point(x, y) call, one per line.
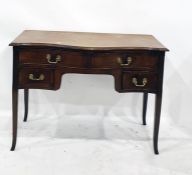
point(41, 58)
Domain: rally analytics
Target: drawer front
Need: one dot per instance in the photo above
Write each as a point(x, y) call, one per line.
point(52, 57)
point(143, 60)
point(36, 78)
point(136, 81)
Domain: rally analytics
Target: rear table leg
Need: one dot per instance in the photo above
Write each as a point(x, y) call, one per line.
point(145, 99)
point(26, 101)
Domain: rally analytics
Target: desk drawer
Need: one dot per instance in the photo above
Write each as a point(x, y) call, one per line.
point(141, 60)
point(52, 57)
point(36, 78)
point(135, 81)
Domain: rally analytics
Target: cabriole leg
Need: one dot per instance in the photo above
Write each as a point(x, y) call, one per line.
point(158, 101)
point(26, 101)
point(145, 99)
point(15, 117)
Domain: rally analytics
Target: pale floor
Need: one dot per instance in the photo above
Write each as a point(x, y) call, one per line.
point(93, 145)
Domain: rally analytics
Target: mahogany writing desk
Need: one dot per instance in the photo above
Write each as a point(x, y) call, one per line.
point(40, 58)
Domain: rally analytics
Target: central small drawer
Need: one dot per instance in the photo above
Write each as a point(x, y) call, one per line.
point(128, 60)
point(66, 58)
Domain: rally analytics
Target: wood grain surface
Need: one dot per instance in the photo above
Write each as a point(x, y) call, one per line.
point(88, 41)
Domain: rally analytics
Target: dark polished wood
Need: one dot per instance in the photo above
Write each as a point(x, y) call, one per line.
point(158, 101)
point(15, 117)
point(14, 98)
point(145, 99)
point(26, 101)
point(41, 58)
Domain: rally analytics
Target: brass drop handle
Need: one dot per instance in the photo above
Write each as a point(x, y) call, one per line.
point(134, 81)
point(127, 62)
point(49, 59)
point(32, 77)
